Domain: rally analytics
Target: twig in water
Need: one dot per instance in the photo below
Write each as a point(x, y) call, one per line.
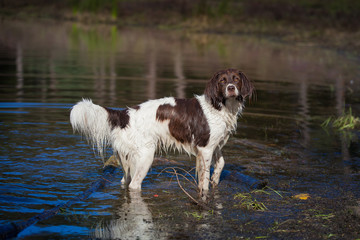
point(175, 172)
point(184, 176)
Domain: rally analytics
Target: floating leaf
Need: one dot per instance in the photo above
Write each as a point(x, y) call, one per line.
point(302, 196)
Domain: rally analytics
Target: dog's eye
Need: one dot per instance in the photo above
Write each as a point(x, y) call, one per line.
point(236, 79)
point(223, 80)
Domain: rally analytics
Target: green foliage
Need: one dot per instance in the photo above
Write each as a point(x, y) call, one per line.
point(198, 216)
point(95, 6)
point(212, 9)
point(247, 201)
point(223, 7)
point(195, 215)
point(325, 216)
point(331, 13)
point(345, 122)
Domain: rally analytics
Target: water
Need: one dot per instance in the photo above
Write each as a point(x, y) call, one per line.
point(46, 67)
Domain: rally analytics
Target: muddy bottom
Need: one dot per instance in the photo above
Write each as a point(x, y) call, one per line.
point(291, 206)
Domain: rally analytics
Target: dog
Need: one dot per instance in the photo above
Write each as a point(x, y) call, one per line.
point(200, 126)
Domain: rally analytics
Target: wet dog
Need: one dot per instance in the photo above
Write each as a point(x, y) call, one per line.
point(199, 126)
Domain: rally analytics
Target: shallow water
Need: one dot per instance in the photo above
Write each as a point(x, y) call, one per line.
point(46, 67)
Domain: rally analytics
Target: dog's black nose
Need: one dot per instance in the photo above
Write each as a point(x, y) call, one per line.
point(231, 88)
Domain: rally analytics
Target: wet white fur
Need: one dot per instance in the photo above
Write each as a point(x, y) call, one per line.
point(135, 145)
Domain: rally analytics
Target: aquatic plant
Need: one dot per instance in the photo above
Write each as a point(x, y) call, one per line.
point(195, 215)
point(248, 202)
point(344, 122)
point(325, 216)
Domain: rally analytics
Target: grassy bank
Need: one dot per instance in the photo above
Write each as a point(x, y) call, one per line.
point(332, 23)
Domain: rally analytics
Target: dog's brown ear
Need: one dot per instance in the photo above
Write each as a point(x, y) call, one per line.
point(213, 92)
point(247, 88)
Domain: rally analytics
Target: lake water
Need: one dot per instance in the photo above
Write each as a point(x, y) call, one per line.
point(46, 67)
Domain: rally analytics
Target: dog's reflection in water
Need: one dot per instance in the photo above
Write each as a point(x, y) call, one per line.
point(133, 221)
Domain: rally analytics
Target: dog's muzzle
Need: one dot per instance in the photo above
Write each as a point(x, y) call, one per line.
point(231, 91)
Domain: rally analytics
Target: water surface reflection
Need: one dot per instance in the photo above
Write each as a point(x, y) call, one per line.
point(133, 220)
point(278, 139)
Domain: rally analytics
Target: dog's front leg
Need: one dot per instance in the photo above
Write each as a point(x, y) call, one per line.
point(203, 163)
point(219, 163)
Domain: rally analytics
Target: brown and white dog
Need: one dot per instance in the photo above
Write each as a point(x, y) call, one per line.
point(200, 126)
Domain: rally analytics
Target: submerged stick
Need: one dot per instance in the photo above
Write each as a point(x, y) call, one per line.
point(12, 229)
point(247, 181)
point(175, 172)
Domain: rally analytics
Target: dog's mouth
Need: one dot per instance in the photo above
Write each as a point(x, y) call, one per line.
point(232, 95)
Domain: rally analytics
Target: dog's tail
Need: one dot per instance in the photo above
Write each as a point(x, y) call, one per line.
point(91, 121)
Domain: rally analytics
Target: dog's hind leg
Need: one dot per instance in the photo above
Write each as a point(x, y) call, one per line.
point(126, 179)
point(115, 161)
point(142, 165)
point(124, 163)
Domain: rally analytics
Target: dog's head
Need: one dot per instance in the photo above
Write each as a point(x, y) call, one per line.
point(228, 84)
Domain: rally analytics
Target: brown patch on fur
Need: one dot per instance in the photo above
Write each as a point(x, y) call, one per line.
point(118, 118)
point(187, 121)
point(215, 88)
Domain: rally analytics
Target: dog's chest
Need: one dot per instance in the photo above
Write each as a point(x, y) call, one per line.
point(222, 123)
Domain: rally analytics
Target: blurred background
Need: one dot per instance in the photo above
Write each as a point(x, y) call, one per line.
point(333, 22)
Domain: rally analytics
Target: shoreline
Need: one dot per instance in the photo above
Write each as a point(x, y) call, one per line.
point(345, 41)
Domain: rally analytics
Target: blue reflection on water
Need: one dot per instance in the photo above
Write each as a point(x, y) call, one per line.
point(33, 105)
point(61, 230)
point(14, 112)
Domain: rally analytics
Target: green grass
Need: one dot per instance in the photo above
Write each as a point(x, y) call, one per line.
point(325, 216)
point(195, 215)
point(247, 201)
point(198, 216)
point(345, 122)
